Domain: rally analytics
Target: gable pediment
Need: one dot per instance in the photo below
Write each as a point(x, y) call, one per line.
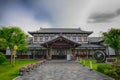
point(60, 41)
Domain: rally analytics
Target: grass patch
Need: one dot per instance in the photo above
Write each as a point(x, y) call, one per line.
point(8, 72)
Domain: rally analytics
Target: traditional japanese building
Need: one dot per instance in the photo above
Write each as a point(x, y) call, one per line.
point(63, 43)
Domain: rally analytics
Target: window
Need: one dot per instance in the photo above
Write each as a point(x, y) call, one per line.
point(74, 38)
point(68, 37)
point(46, 38)
point(52, 37)
point(85, 39)
point(79, 39)
point(41, 38)
point(35, 38)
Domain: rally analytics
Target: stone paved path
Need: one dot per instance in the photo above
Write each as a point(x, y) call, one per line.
point(63, 71)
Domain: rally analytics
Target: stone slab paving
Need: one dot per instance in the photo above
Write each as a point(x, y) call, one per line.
point(63, 71)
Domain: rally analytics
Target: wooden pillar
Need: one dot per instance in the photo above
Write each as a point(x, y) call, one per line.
point(47, 54)
point(70, 51)
point(34, 54)
point(86, 53)
point(79, 53)
point(50, 53)
point(93, 52)
point(75, 55)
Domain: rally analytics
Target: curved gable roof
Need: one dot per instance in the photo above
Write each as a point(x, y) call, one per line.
point(60, 38)
point(61, 30)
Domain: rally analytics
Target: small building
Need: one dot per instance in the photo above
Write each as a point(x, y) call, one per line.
point(61, 43)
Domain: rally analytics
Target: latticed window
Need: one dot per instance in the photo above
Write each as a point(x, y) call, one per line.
point(68, 37)
point(74, 38)
point(35, 38)
point(46, 38)
point(79, 39)
point(52, 37)
point(41, 38)
point(85, 39)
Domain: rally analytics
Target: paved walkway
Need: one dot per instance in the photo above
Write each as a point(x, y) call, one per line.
point(63, 71)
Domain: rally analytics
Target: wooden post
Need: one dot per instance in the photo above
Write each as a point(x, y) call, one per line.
point(50, 53)
point(79, 53)
point(47, 54)
point(34, 54)
point(93, 53)
point(87, 53)
point(75, 53)
point(70, 52)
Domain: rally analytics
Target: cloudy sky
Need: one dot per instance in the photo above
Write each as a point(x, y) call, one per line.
point(90, 15)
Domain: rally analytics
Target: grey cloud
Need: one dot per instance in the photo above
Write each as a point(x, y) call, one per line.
point(103, 17)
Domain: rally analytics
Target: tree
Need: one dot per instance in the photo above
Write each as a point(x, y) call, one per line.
point(13, 36)
point(112, 39)
point(2, 58)
point(2, 41)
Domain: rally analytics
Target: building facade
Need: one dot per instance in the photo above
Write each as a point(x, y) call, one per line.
point(63, 43)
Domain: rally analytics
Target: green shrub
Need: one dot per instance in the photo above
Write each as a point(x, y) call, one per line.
point(114, 71)
point(101, 68)
point(2, 58)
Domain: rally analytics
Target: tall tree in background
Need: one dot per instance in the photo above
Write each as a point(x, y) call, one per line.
point(112, 39)
point(13, 36)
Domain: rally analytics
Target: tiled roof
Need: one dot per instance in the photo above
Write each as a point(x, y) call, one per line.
point(94, 39)
point(90, 46)
point(61, 38)
point(60, 30)
point(36, 46)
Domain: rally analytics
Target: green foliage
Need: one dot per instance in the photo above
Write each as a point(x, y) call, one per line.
point(112, 39)
point(113, 71)
point(2, 58)
point(101, 68)
point(2, 42)
point(13, 36)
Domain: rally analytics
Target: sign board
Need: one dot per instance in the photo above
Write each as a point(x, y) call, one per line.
point(111, 60)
